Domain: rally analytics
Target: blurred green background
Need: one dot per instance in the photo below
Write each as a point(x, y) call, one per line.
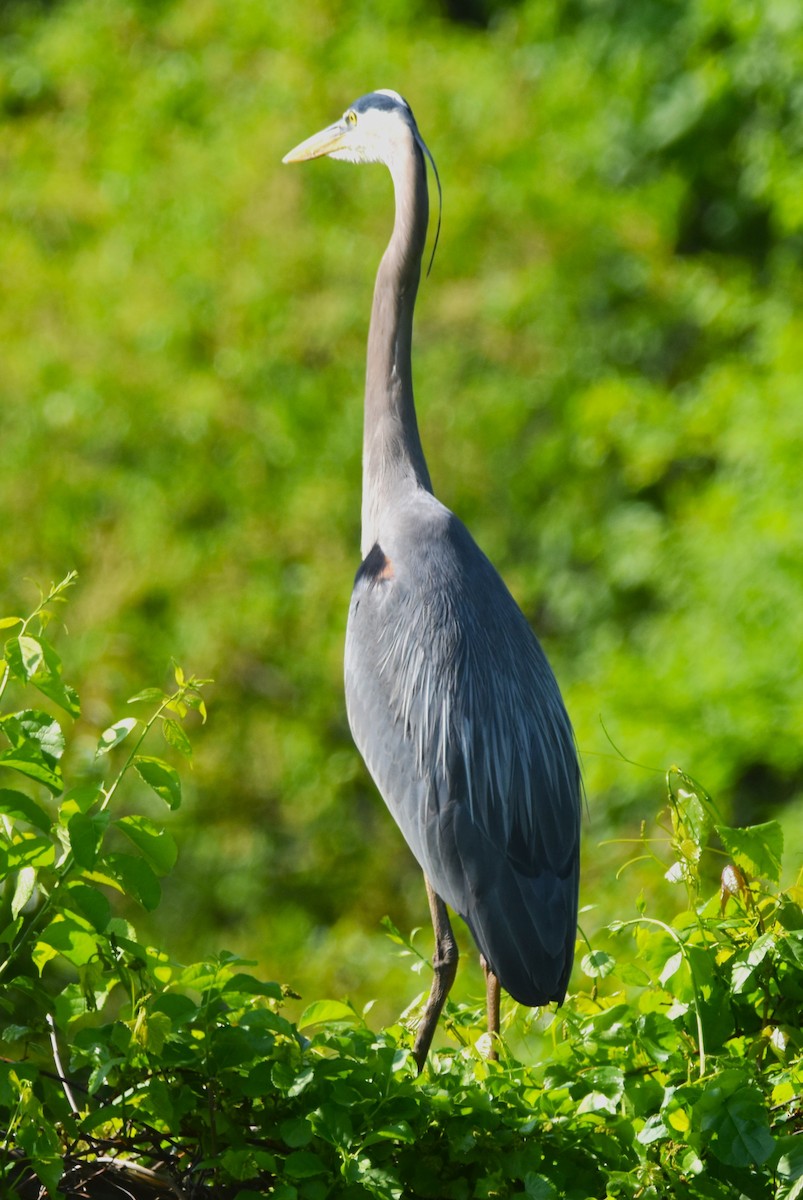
point(608, 358)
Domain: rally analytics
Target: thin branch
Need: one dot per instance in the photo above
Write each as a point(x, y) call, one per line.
point(54, 1045)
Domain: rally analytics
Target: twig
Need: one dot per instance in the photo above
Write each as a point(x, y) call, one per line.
point(141, 1172)
point(54, 1045)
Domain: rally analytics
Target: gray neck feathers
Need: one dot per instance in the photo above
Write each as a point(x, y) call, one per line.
point(393, 460)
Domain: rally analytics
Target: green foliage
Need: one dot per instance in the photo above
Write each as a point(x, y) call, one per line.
point(607, 361)
point(675, 1068)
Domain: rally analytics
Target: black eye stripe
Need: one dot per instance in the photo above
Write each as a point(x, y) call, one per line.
point(378, 100)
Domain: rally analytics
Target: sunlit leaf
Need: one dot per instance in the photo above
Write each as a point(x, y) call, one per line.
point(152, 840)
point(115, 734)
point(757, 849)
point(175, 736)
point(149, 695)
point(24, 656)
point(24, 890)
point(29, 760)
point(323, 1011)
point(161, 777)
point(597, 964)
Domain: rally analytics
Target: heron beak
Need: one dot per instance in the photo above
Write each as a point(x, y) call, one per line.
point(325, 142)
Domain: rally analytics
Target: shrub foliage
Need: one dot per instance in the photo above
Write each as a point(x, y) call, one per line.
point(674, 1068)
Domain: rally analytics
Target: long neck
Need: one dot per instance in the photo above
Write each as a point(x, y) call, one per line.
point(393, 461)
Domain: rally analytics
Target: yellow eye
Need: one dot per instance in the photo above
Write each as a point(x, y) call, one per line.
point(351, 117)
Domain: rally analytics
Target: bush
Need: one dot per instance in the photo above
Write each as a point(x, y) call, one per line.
point(674, 1069)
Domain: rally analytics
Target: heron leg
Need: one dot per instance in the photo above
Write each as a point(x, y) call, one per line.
point(444, 961)
point(492, 991)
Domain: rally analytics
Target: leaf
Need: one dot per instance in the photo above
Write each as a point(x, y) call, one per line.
point(746, 964)
point(90, 903)
point(7, 622)
point(324, 1011)
point(86, 836)
point(24, 656)
point(30, 850)
point(26, 884)
point(31, 726)
point(149, 695)
point(296, 1132)
point(250, 986)
point(29, 761)
point(50, 684)
point(153, 841)
point(601, 1089)
point(757, 849)
point(658, 1036)
point(17, 804)
point(115, 734)
point(597, 964)
point(136, 878)
point(397, 1131)
point(163, 779)
point(737, 1123)
point(175, 736)
point(33, 660)
point(79, 799)
point(302, 1164)
point(68, 935)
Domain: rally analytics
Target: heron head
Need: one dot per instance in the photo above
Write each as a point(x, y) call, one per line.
point(376, 128)
point(370, 130)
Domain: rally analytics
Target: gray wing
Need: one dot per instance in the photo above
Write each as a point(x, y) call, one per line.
point(458, 716)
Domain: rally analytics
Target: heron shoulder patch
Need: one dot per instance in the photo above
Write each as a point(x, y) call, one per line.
point(375, 568)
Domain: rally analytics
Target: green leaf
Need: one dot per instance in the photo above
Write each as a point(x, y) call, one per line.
point(658, 1036)
point(136, 879)
point(296, 1132)
point(735, 1119)
point(24, 890)
point(17, 804)
point(30, 850)
point(757, 849)
point(79, 800)
point(115, 734)
point(24, 656)
point(68, 935)
point(324, 1011)
point(86, 836)
point(597, 964)
point(50, 683)
point(601, 1089)
point(302, 1164)
point(29, 761)
point(250, 986)
point(152, 840)
point(90, 903)
point(33, 660)
point(162, 778)
point(149, 695)
point(175, 736)
point(33, 727)
point(746, 964)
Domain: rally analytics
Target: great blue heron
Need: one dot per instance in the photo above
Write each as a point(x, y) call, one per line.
point(450, 698)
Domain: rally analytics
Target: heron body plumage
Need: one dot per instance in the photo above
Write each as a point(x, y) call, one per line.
point(450, 698)
point(455, 710)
